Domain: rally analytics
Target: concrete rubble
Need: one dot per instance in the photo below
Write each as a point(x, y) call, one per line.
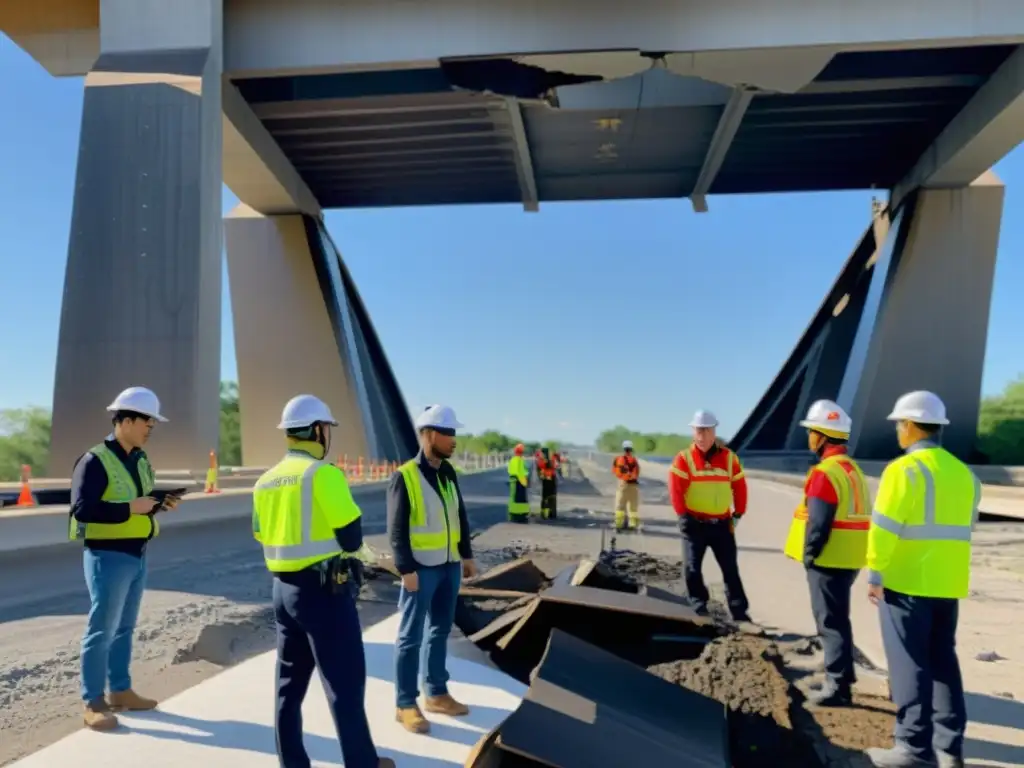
point(623, 673)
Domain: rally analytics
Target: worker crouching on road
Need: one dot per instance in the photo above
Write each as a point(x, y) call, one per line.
point(709, 494)
point(829, 535)
point(919, 561)
point(518, 482)
point(112, 511)
point(627, 496)
point(430, 537)
point(310, 528)
point(547, 472)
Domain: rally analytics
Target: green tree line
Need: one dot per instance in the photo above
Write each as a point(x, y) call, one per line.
point(644, 443)
point(1000, 432)
point(25, 438)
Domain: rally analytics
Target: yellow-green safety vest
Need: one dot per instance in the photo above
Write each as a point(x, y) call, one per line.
point(920, 537)
point(120, 488)
point(847, 544)
point(285, 520)
point(434, 531)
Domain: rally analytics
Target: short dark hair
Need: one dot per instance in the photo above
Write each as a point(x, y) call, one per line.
point(120, 416)
point(303, 433)
point(929, 429)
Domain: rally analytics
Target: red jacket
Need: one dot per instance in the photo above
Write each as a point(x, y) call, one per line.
point(679, 481)
point(818, 486)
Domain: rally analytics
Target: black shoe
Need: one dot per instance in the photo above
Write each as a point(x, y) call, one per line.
point(742, 616)
point(830, 696)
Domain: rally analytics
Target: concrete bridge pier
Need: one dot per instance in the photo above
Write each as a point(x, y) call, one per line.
point(142, 292)
point(908, 311)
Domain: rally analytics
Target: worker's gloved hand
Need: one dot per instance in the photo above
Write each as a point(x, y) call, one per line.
point(683, 523)
point(356, 575)
point(736, 519)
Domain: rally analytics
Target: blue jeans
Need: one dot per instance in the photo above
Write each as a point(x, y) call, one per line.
point(433, 604)
point(116, 582)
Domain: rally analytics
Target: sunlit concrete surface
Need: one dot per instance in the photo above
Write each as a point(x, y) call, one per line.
point(228, 720)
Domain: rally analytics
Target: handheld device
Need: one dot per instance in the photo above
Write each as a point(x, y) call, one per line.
point(163, 496)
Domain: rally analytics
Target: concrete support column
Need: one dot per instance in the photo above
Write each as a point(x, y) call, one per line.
point(142, 291)
point(925, 320)
point(287, 338)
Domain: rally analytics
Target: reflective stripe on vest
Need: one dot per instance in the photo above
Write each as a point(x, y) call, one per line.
point(847, 542)
point(928, 553)
point(121, 489)
point(930, 529)
point(306, 548)
point(710, 489)
point(434, 532)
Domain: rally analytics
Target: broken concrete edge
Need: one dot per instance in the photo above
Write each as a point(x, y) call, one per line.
point(563, 686)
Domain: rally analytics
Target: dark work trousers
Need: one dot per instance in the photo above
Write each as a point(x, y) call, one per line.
point(549, 498)
point(319, 629)
point(830, 604)
point(518, 501)
point(698, 537)
point(919, 635)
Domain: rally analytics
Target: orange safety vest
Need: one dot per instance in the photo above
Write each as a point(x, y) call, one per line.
point(710, 489)
point(545, 469)
point(847, 543)
point(626, 468)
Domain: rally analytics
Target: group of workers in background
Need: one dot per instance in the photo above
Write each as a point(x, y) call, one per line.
point(549, 466)
point(915, 541)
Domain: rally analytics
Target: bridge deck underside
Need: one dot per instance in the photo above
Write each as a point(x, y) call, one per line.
point(408, 137)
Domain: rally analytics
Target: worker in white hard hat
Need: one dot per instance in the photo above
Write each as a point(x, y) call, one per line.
point(311, 531)
point(919, 564)
point(709, 495)
point(430, 539)
point(829, 535)
point(627, 496)
point(113, 506)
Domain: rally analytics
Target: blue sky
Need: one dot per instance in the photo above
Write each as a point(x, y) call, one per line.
point(571, 320)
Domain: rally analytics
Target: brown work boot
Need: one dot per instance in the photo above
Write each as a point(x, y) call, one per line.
point(412, 719)
point(98, 716)
point(385, 762)
point(446, 705)
point(130, 701)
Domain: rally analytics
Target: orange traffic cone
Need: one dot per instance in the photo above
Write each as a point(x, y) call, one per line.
point(25, 498)
point(211, 474)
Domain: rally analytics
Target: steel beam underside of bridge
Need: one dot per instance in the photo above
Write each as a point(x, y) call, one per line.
point(142, 293)
point(908, 311)
point(421, 136)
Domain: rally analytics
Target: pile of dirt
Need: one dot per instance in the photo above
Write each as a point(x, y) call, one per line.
point(641, 567)
point(744, 673)
point(841, 735)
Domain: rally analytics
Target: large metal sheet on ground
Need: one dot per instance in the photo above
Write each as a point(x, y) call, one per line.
point(586, 707)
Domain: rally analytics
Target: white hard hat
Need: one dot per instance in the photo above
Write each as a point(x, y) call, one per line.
point(922, 407)
point(627, 445)
point(139, 400)
point(704, 419)
point(437, 417)
point(827, 417)
point(305, 411)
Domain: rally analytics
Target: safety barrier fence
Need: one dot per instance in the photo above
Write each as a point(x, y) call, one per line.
point(29, 492)
point(32, 530)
